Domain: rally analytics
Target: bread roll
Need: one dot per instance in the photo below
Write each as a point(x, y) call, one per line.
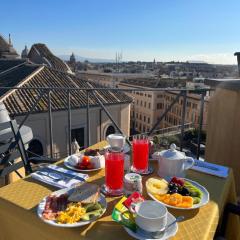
point(85, 193)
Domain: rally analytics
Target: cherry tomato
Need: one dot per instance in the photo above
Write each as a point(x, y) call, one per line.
point(85, 160)
point(81, 166)
point(90, 166)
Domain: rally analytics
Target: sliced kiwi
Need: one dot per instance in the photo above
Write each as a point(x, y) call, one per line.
point(93, 214)
point(196, 200)
point(194, 191)
point(92, 206)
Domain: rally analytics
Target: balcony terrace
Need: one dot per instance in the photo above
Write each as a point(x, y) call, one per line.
point(45, 100)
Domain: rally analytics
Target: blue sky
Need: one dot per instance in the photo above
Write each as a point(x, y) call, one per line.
point(206, 30)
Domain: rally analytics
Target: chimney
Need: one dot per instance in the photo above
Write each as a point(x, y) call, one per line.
point(238, 60)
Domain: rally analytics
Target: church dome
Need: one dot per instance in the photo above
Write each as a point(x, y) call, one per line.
point(72, 58)
point(24, 52)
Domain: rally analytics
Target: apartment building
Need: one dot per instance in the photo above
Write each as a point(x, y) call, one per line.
point(147, 107)
point(192, 114)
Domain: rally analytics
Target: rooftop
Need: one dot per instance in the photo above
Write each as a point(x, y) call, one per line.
point(6, 49)
point(33, 75)
point(153, 82)
point(40, 54)
point(6, 64)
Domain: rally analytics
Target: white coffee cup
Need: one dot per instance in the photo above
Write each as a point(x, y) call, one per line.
point(151, 216)
point(116, 141)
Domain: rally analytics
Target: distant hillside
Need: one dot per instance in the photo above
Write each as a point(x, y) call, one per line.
point(82, 59)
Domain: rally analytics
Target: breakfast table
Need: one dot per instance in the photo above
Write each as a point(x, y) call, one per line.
point(19, 220)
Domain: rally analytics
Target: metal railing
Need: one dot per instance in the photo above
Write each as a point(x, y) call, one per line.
point(181, 93)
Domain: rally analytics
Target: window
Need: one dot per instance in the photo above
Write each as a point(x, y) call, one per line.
point(110, 130)
point(78, 134)
point(194, 105)
point(140, 116)
point(144, 118)
point(140, 126)
point(149, 95)
point(149, 105)
point(144, 128)
point(159, 106)
point(145, 104)
point(136, 115)
point(141, 103)
point(148, 119)
point(35, 146)
point(137, 102)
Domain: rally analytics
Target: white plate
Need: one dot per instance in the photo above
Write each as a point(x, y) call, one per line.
point(68, 165)
point(169, 233)
point(204, 199)
point(126, 148)
point(40, 209)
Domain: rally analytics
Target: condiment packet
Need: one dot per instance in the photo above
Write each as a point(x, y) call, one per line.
point(122, 215)
point(133, 199)
point(126, 220)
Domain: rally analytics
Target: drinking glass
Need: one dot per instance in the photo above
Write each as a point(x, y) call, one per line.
point(114, 173)
point(140, 154)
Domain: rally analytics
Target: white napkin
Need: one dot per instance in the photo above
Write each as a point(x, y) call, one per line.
point(59, 177)
point(210, 168)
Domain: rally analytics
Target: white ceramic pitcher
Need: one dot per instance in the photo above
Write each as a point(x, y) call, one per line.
point(172, 162)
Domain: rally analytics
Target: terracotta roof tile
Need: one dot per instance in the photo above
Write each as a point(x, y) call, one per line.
point(19, 102)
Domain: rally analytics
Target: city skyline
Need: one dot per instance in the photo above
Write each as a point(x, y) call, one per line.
point(142, 30)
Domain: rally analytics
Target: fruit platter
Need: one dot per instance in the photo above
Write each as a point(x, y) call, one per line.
point(90, 160)
point(73, 207)
point(178, 193)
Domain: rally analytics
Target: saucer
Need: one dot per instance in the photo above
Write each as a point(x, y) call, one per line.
point(142, 235)
point(148, 172)
point(126, 148)
point(104, 191)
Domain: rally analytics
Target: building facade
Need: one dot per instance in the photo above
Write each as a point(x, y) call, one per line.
point(192, 114)
point(148, 107)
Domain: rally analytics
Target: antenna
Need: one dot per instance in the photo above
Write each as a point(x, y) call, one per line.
point(118, 59)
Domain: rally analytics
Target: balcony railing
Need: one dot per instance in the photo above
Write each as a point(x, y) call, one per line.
point(181, 93)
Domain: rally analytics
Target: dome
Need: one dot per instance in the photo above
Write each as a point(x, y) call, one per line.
point(24, 52)
point(72, 58)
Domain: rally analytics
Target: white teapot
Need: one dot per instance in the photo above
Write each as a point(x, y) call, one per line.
point(172, 162)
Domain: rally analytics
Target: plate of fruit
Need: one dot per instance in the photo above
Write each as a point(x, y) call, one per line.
point(90, 160)
point(178, 193)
